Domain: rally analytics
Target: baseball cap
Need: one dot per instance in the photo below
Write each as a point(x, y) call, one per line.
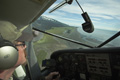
point(9, 31)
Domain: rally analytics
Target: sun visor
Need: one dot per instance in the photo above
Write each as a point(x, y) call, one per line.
point(27, 34)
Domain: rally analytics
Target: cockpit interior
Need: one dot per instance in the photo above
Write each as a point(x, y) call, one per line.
point(79, 39)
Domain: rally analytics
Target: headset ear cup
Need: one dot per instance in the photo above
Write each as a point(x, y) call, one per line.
point(8, 55)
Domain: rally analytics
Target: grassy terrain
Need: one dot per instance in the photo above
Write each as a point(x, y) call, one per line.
point(56, 30)
point(48, 44)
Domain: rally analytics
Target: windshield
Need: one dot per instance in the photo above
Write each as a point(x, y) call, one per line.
point(67, 22)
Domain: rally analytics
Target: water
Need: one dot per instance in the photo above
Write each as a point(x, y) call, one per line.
point(101, 36)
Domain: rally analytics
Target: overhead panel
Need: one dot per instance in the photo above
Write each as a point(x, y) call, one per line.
point(22, 12)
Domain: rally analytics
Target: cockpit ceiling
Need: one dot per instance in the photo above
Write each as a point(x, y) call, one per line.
point(23, 12)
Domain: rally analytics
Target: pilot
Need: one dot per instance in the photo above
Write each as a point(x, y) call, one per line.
point(9, 32)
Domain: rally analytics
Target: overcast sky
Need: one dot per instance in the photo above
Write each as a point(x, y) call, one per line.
point(104, 14)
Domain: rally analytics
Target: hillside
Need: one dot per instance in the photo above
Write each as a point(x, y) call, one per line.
point(45, 23)
point(48, 44)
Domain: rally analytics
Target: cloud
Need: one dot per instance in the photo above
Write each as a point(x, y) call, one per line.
point(101, 8)
point(102, 16)
point(102, 12)
point(70, 21)
point(118, 17)
point(96, 19)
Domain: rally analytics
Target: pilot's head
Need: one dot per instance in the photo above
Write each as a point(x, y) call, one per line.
point(12, 51)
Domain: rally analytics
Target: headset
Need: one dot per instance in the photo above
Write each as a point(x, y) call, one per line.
point(8, 54)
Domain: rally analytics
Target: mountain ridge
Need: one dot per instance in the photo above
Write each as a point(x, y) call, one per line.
point(46, 23)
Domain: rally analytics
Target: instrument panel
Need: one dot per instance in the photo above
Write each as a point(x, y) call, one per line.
point(98, 64)
point(87, 64)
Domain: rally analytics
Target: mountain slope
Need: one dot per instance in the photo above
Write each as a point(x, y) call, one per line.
point(45, 23)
